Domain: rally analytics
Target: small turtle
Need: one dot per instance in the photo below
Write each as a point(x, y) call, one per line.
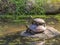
point(38, 20)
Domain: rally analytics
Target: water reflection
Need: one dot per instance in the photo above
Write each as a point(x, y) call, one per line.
point(54, 41)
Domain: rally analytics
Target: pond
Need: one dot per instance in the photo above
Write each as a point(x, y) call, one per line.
point(16, 39)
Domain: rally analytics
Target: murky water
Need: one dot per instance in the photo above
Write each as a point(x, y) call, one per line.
point(16, 39)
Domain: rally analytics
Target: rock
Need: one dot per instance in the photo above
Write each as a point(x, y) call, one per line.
point(7, 7)
point(53, 7)
point(29, 5)
point(50, 6)
point(49, 33)
point(38, 43)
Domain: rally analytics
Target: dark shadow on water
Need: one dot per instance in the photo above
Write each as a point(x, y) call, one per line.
point(10, 38)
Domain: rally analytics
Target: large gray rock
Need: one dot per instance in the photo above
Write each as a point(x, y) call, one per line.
point(50, 6)
point(49, 33)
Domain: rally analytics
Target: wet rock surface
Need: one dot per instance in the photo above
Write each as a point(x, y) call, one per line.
point(49, 33)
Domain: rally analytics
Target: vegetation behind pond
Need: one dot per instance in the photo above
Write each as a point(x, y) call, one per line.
point(29, 7)
point(23, 18)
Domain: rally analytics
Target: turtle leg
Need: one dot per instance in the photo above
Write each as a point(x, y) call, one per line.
point(27, 31)
point(31, 32)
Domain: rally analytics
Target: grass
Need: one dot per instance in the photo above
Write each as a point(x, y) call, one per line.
point(22, 18)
